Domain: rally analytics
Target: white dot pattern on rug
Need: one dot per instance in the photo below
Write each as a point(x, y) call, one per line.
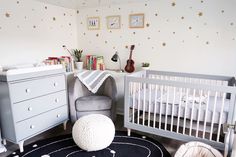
point(121, 145)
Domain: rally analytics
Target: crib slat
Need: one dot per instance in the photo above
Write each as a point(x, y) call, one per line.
point(199, 112)
point(221, 115)
point(155, 107)
point(180, 100)
point(133, 106)
point(167, 103)
point(206, 114)
point(172, 111)
point(160, 107)
point(213, 115)
point(139, 100)
point(185, 110)
point(144, 102)
point(192, 112)
point(149, 105)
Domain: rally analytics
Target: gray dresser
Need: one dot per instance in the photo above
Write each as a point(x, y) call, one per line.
point(32, 103)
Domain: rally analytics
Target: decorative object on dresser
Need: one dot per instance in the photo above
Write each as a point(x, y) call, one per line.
point(77, 55)
point(130, 63)
point(32, 100)
point(145, 66)
point(115, 58)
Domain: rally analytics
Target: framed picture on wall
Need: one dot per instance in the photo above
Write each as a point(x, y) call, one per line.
point(136, 20)
point(93, 23)
point(113, 22)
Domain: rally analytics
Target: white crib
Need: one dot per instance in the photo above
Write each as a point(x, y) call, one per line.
point(182, 106)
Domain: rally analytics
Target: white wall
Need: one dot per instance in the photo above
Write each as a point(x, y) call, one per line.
point(31, 31)
point(208, 47)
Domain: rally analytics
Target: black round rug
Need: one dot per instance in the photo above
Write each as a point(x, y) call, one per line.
point(122, 146)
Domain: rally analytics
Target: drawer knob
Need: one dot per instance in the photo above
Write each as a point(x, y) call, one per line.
point(55, 84)
point(58, 115)
point(32, 126)
point(56, 100)
point(27, 90)
point(30, 108)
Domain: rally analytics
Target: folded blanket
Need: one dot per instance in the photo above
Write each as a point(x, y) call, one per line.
point(93, 79)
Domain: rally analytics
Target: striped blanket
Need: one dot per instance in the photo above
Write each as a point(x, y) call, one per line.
point(93, 79)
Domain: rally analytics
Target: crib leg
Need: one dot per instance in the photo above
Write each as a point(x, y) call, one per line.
point(129, 132)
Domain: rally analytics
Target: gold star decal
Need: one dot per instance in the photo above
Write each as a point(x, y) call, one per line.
point(7, 15)
point(200, 14)
point(173, 4)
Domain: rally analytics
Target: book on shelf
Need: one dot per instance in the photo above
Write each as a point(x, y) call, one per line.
point(94, 62)
point(65, 61)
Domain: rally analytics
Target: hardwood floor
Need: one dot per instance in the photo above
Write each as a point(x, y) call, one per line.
point(170, 145)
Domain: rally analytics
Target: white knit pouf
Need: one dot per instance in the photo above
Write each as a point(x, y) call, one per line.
point(197, 149)
point(93, 132)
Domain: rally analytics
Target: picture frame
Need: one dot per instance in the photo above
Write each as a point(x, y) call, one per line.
point(113, 22)
point(93, 23)
point(136, 20)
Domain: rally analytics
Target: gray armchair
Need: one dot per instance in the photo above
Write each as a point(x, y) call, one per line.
point(83, 102)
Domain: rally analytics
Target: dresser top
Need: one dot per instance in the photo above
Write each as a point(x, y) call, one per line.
point(26, 73)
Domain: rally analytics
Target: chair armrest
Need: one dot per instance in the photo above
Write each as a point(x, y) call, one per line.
point(76, 90)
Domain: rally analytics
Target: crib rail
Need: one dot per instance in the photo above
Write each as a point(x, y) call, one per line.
point(178, 105)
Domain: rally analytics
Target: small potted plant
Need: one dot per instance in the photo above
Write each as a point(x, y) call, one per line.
point(77, 55)
point(145, 65)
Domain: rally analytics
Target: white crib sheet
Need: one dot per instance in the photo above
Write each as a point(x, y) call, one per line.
point(180, 103)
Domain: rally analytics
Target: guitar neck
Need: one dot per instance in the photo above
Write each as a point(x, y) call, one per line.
point(130, 55)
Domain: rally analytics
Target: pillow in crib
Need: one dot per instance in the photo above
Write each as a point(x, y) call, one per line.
point(196, 99)
point(197, 149)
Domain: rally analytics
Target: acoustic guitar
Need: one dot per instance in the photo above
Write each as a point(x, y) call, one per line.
point(130, 63)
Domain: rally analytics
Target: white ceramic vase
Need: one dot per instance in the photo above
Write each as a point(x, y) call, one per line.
point(79, 65)
point(145, 68)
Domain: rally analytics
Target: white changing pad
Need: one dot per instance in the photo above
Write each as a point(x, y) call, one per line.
point(180, 103)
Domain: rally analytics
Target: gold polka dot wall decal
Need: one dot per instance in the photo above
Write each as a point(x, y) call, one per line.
point(200, 14)
point(17, 2)
point(69, 24)
point(54, 19)
point(197, 36)
point(97, 35)
point(145, 4)
point(231, 23)
point(222, 11)
point(205, 24)
point(189, 27)
point(163, 44)
point(148, 38)
point(34, 26)
point(201, 1)
point(156, 14)
point(46, 7)
point(114, 47)
point(173, 4)
point(139, 44)
point(207, 42)
point(134, 32)
point(7, 15)
point(110, 31)
point(147, 24)
point(96, 10)
point(77, 11)
point(182, 41)
point(105, 42)
point(233, 39)
point(84, 33)
point(173, 32)
point(18, 26)
point(33, 10)
point(126, 46)
point(64, 14)
point(119, 8)
point(159, 31)
point(25, 17)
point(81, 23)
point(182, 17)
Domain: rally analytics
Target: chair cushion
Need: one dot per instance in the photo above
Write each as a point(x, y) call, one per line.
point(93, 103)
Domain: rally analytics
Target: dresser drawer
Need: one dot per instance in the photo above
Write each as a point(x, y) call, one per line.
point(33, 107)
point(41, 122)
point(33, 88)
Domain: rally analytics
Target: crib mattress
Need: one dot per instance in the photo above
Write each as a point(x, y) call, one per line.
point(178, 106)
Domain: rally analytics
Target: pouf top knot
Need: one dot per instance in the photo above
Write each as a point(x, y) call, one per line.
point(93, 132)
